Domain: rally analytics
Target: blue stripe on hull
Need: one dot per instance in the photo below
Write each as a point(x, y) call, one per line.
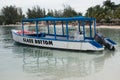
point(96, 44)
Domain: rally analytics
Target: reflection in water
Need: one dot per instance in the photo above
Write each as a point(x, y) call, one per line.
point(59, 63)
point(6, 40)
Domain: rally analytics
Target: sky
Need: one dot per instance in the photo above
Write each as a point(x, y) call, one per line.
point(78, 5)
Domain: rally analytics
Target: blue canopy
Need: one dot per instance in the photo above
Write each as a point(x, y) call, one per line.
point(57, 19)
point(79, 18)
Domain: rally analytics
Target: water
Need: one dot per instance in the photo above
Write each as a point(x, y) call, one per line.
point(20, 62)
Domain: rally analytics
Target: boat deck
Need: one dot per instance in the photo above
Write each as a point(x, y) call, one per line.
point(58, 37)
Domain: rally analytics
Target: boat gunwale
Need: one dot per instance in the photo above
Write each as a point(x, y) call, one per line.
point(52, 38)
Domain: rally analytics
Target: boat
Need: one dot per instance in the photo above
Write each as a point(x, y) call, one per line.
point(82, 40)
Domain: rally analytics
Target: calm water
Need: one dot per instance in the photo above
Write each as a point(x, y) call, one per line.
point(19, 62)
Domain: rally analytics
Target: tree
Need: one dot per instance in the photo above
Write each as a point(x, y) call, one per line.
point(109, 8)
point(96, 12)
point(50, 12)
point(58, 13)
point(11, 14)
point(117, 13)
point(108, 5)
point(106, 11)
point(36, 12)
point(20, 15)
point(69, 12)
point(1, 19)
point(89, 12)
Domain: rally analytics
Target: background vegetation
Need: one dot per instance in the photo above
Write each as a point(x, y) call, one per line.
point(108, 12)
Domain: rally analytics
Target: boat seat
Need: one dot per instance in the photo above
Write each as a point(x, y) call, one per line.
point(78, 36)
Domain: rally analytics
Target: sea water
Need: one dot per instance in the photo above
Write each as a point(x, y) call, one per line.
point(21, 62)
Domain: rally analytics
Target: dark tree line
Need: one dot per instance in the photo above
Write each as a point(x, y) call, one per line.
point(109, 10)
point(36, 12)
point(12, 14)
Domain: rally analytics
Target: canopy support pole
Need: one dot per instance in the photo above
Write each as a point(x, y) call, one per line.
point(90, 29)
point(83, 29)
point(67, 30)
point(37, 28)
point(55, 29)
point(22, 28)
point(62, 28)
point(79, 26)
point(48, 27)
point(94, 27)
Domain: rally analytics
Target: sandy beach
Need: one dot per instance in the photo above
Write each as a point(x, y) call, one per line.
point(100, 26)
point(104, 26)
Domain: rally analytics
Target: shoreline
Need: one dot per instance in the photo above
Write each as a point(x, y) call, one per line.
point(100, 26)
point(110, 27)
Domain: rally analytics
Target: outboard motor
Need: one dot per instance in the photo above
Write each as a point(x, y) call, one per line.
point(103, 41)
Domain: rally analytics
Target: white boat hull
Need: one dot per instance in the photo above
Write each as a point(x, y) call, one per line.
point(49, 43)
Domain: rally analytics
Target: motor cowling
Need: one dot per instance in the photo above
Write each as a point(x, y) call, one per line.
point(101, 40)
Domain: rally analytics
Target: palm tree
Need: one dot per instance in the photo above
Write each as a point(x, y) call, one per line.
point(96, 12)
point(109, 8)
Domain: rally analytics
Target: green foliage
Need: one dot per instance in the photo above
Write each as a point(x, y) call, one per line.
point(107, 11)
point(55, 13)
point(69, 12)
point(58, 13)
point(117, 13)
point(11, 14)
point(1, 20)
point(96, 12)
point(50, 12)
point(36, 12)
